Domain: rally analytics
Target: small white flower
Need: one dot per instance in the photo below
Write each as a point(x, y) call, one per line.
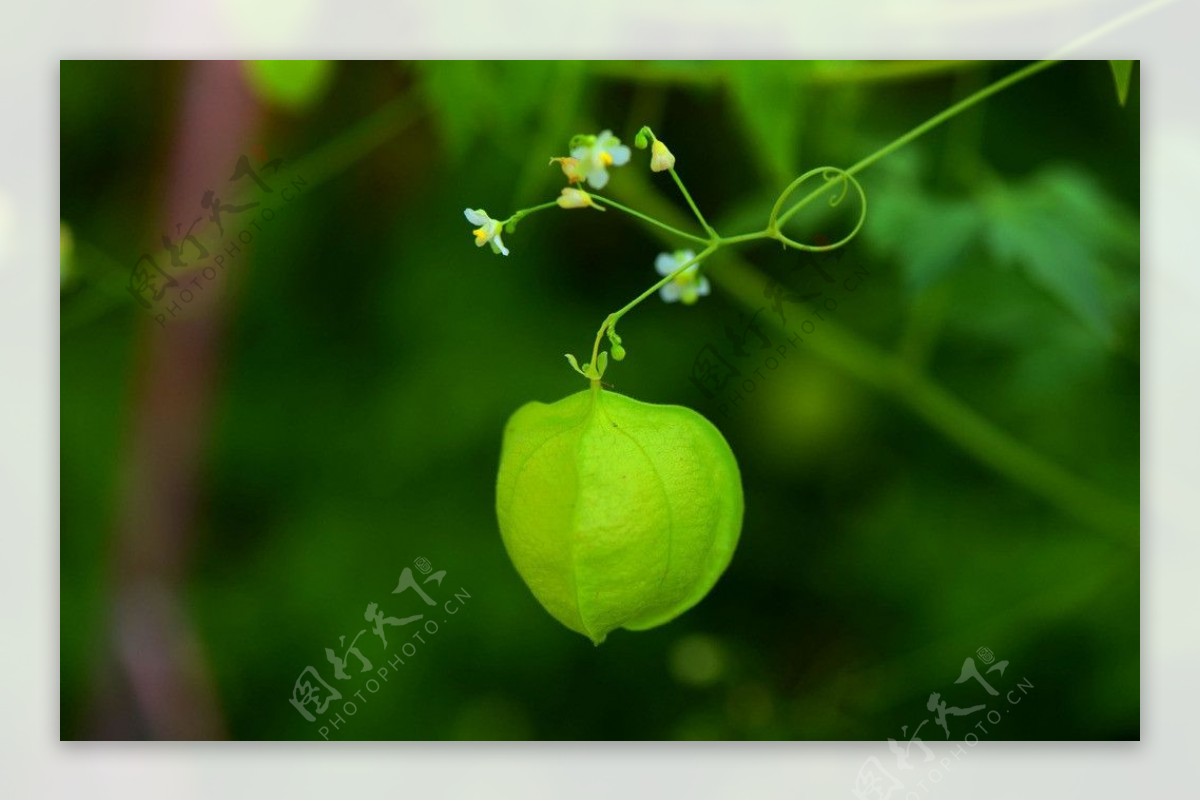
point(661, 159)
point(597, 154)
point(689, 285)
point(488, 232)
point(576, 199)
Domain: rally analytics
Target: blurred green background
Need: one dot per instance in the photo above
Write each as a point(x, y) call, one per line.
point(947, 462)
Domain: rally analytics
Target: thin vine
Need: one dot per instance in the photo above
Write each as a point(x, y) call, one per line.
point(589, 162)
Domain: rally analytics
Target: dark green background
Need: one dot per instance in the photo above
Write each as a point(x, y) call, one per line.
point(369, 356)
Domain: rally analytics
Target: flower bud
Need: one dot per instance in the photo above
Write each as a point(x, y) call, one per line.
point(575, 199)
point(570, 168)
point(661, 159)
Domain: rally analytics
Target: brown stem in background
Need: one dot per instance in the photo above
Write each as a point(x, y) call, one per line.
point(157, 682)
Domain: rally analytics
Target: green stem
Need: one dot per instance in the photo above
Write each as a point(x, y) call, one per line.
point(611, 320)
point(927, 126)
point(695, 209)
point(648, 219)
point(733, 240)
point(953, 111)
point(523, 213)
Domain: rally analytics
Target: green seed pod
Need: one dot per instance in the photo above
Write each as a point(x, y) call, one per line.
point(616, 513)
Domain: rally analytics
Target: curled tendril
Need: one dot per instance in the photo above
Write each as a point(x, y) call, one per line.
point(829, 174)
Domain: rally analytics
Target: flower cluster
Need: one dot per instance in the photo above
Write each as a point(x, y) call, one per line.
point(591, 157)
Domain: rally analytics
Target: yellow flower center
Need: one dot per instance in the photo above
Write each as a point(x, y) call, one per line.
point(480, 236)
point(606, 159)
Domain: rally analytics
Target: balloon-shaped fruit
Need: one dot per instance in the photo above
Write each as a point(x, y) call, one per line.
point(616, 513)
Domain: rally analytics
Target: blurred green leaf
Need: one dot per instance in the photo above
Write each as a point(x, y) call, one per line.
point(768, 106)
point(1061, 230)
point(928, 235)
point(524, 87)
point(1044, 358)
point(458, 94)
point(1065, 359)
point(473, 100)
point(551, 130)
point(1122, 71)
point(293, 84)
